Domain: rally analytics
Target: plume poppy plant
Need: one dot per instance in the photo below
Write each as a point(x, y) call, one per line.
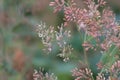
point(101, 32)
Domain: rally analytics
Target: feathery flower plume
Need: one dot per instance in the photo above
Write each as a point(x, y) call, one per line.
point(82, 74)
point(61, 37)
point(39, 75)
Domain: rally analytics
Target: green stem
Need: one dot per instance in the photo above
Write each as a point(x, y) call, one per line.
point(85, 53)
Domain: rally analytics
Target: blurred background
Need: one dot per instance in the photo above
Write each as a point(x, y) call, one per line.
point(20, 46)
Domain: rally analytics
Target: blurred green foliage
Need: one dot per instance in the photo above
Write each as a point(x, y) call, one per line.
point(20, 46)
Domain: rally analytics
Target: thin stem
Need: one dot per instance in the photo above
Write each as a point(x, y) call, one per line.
point(85, 53)
point(85, 57)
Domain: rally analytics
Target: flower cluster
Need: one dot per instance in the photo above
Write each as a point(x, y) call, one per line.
point(47, 35)
point(63, 37)
point(58, 5)
point(113, 73)
point(51, 36)
point(82, 74)
point(39, 75)
point(100, 77)
point(96, 20)
point(115, 69)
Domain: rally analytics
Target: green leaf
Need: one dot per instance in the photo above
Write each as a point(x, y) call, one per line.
point(23, 29)
point(109, 58)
